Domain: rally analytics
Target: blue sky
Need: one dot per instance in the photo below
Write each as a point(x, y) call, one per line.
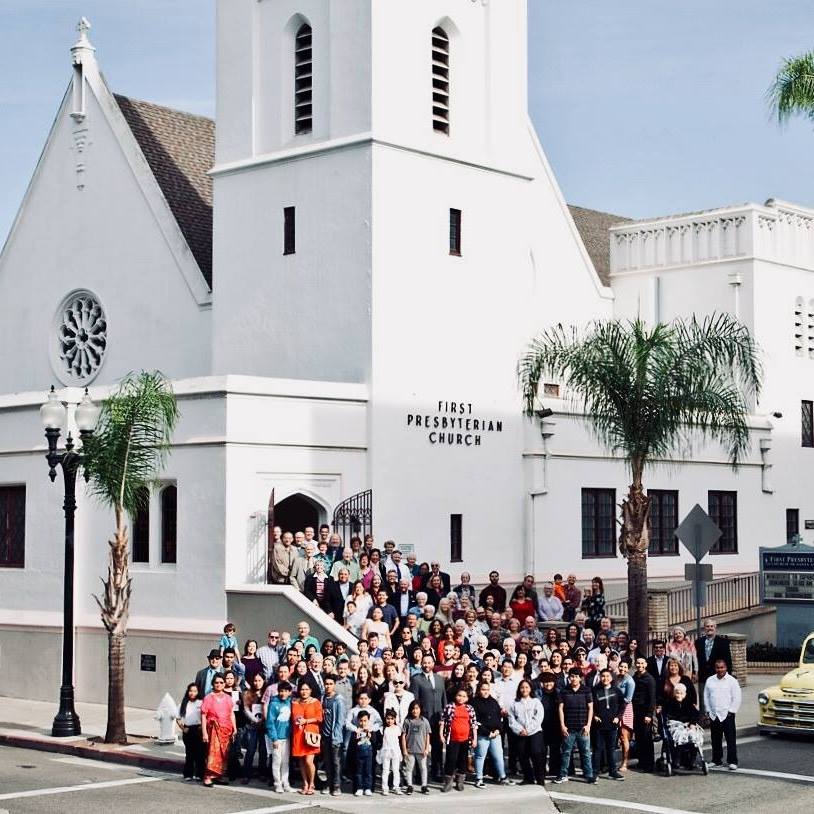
point(644, 107)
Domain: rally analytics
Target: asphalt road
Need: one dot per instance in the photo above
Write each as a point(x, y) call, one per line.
point(776, 776)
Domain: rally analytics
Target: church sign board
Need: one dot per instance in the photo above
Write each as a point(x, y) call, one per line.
point(787, 574)
point(454, 423)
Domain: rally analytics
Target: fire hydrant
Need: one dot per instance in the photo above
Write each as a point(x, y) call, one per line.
point(165, 715)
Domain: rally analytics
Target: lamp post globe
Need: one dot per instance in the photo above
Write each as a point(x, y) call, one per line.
point(87, 414)
point(53, 412)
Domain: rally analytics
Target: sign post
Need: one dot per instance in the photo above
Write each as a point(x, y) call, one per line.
point(698, 533)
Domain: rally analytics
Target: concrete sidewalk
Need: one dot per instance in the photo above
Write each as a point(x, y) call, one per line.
point(27, 724)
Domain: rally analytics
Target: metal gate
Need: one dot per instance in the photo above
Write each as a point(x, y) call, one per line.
point(354, 516)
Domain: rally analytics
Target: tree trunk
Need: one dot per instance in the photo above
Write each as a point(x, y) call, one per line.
point(634, 540)
point(116, 732)
point(115, 608)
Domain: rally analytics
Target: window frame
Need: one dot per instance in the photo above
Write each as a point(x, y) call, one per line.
point(10, 492)
point(304, 81)
point(139, 523)
point(807, 423)
point(656, 497)
point(289, 230)
point(165, 524)
point(792, 523)
point(596, 493)
point(456, 544)
point(455, 231)
point(721, 494)
point(440, 81)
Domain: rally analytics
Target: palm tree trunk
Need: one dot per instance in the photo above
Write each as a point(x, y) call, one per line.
point(115, 607)
point(115, 732)
point(634, 540)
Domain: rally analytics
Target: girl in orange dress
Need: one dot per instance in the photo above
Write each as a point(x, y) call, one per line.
point(306, 715)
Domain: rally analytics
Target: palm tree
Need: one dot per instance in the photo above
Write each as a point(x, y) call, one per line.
point(792, 90)
point(647, 393)
point(122, 459)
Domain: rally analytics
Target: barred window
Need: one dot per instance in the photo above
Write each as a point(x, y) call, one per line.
point(12, 526)
point(169, 524)
point(723, 509)
point(598, 523)
point(440, 81)
point(663, 522)
point(303, 81)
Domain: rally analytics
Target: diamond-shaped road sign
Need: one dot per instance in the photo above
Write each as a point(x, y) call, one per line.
point(698, 532)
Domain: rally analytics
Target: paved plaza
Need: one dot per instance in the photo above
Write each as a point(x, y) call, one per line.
point(32, 781)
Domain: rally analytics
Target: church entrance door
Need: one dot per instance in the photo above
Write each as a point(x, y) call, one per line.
point(296, 512)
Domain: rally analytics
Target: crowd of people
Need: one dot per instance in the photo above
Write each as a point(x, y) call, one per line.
point(445, 682)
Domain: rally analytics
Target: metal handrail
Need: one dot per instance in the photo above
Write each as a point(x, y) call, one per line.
point(726, 595)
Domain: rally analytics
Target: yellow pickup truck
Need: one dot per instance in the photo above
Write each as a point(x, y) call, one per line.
point(789, 705)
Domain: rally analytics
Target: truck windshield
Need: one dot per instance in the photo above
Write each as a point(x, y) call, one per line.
point(808, 652)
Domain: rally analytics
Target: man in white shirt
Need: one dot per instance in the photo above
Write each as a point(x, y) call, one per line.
point(549, 607)
point(394, 563)
point(722, 699)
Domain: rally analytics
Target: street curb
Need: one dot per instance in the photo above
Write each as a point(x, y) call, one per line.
point(141, 761)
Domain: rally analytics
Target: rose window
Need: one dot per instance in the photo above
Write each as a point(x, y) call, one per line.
point(81, 338)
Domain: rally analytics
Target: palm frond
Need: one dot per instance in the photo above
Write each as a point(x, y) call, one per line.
point(792, 91)
point(648, 392)
point(131, 441)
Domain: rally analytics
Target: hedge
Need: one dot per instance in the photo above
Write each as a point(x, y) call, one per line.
point(765, 651)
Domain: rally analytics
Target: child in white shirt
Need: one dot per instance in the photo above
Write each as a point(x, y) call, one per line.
point(391, 752)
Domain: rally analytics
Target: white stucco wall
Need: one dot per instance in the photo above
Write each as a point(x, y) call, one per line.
point(105, 238)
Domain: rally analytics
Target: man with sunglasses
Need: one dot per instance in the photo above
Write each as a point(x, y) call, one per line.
point(271, 654)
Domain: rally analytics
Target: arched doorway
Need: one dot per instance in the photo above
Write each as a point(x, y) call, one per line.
point(296, 512)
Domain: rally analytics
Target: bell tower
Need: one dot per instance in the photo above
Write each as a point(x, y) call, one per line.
point(292, 189)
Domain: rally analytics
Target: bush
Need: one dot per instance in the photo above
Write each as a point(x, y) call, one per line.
point(764, 651)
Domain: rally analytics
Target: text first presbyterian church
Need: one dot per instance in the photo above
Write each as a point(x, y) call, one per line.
point(339, 276)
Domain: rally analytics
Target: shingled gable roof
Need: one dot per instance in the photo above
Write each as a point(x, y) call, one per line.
point(180, 149)
point(593, 227)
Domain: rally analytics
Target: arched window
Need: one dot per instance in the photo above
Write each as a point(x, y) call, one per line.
point(141, 528)
point(303, 81)
point(798, 326)
point(440, 81)
point(169, 524)
point(810, 333)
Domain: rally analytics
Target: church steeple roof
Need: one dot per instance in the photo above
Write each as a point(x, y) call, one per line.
point(180, 149)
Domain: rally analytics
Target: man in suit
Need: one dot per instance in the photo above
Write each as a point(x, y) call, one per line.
point(313, 678)
point(337, 592)
point(709, 648)
point(402, 599)
point(203, 678)
point(428, 689)
point(435, 568)
point(657, 664)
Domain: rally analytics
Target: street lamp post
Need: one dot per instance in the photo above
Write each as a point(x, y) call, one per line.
point(53, 414)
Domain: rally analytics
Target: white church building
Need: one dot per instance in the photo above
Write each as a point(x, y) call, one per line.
point(339, 278)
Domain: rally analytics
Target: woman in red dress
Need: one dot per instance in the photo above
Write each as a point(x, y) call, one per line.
point(217, 731)
point(306, 715)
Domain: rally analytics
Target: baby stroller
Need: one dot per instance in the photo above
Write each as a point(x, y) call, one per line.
point(678, 752)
